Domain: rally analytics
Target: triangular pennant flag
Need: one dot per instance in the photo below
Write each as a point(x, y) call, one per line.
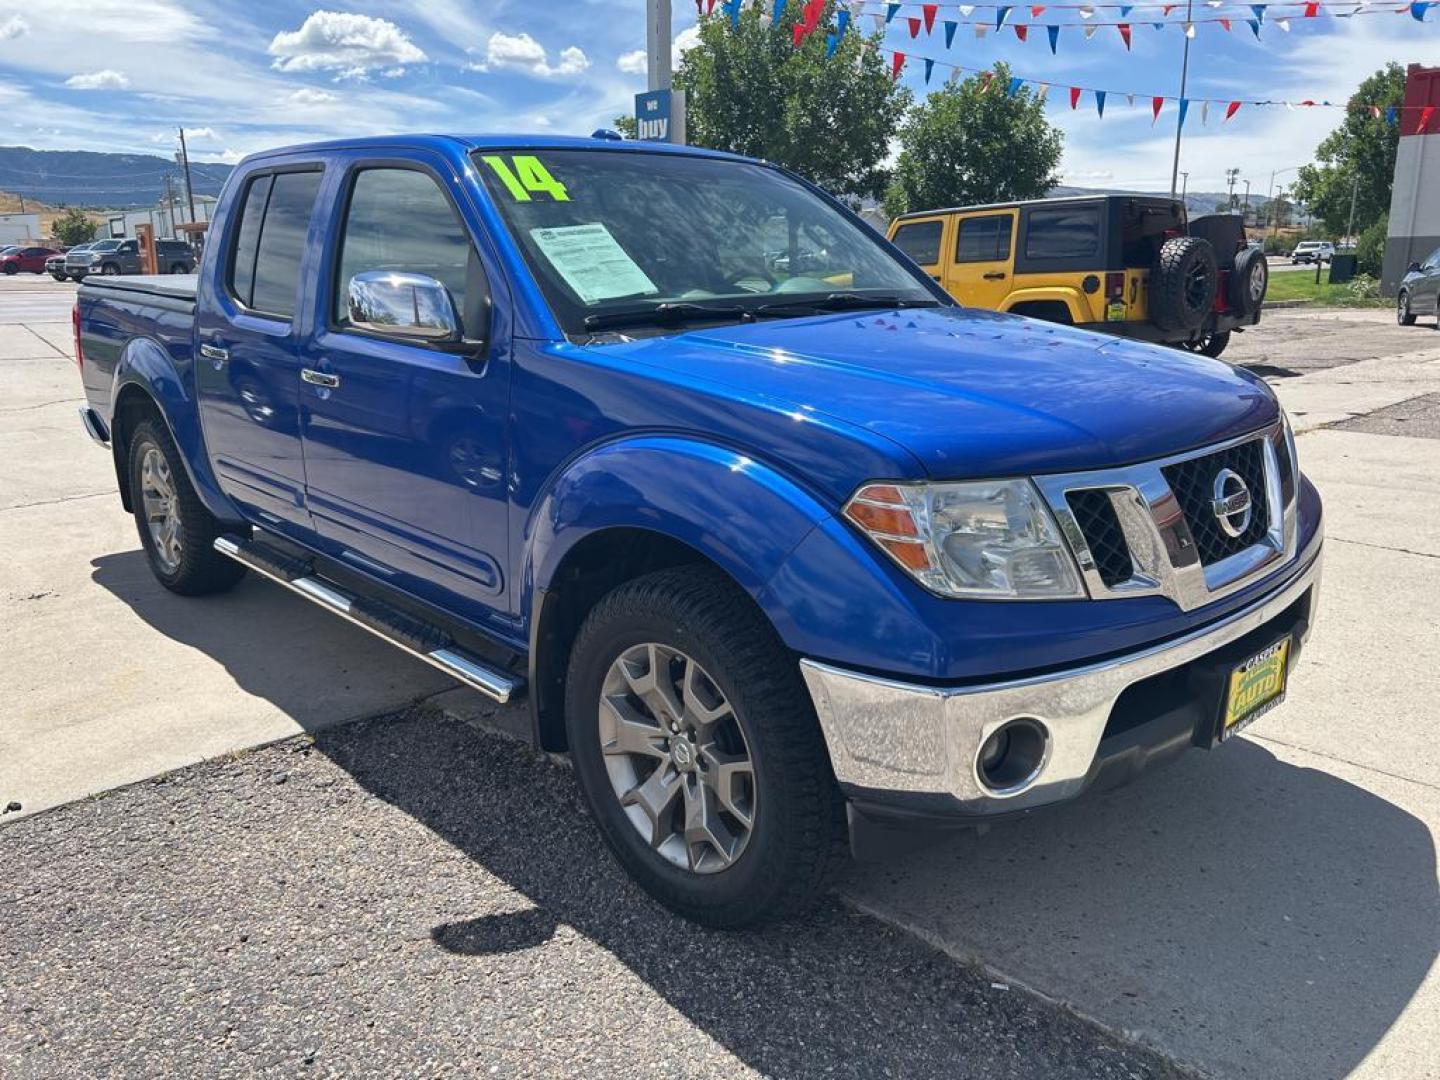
point(1090, 31)
point(1074, 96)
point(842, 23)
point(914, 26)
point(1312, 10)
point(1418, 9)
point(1044, 92)
point(779, 11)
point(1087, 12)
point(1036, 10)
point(981, 30)
point(1130, 100)
point(1124, 29)
point(929, 11)
point(1284, 24)
point(1022, 31)
point(1167, 9)
point(1015, 86)
point(1425, 114)
point(1125, 10)
point(1190, 29)
point(986, 77)
point(797, 34)
point(929, 67)
point(1002, 12)
point(1156, 104)
point(1392, 114)
point(1100, 102)
point(1184, 108)
point(710, 7)
point(950, 28)
point(890, 11)
point(832, 42)
point(1375, 112)
point(1053, 33)
point(896, 63)
point(1204, 113)
point(1259, 10)
point(1254, 27)
point(1226, 24)
point(1231, 110)
point(879, 21)
point(967, 10)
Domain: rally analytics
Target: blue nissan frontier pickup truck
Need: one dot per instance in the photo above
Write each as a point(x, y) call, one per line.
point(782, 545)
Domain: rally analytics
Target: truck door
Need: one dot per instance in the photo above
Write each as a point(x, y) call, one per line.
point(981, 273)
point(247, 373)
point(923, 239)
point(405, 451)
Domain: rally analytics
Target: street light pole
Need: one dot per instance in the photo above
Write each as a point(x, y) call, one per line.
point(1184, 82)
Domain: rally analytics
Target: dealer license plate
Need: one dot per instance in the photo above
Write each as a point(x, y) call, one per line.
point(1256, 687)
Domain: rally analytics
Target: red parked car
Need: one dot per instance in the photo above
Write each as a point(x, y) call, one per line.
point(31, 259)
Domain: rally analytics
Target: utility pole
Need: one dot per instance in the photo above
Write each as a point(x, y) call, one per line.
point(1184, 186)
point(1350, 226)
point(1245, 211)
point(1231, 175)
point(657, 44)
point(1184, 81)
point(185, 162)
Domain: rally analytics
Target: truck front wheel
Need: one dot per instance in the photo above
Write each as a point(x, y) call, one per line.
point(698, 750)
point(176, 530)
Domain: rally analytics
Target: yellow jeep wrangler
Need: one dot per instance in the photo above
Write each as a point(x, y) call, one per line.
point(1132, 265)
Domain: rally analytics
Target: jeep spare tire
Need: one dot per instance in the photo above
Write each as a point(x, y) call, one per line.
point(1249, 282)
point(1182, 287)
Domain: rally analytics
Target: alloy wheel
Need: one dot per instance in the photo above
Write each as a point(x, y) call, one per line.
point(162, 508)
point(677, 758)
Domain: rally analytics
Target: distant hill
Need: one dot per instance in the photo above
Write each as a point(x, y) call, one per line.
point(88, 178)
point(1198, 203)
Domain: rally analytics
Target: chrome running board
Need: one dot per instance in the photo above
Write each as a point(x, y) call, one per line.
point(420, 639)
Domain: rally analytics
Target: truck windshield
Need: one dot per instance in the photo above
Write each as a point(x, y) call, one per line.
point(646, 239)
point(105, 245)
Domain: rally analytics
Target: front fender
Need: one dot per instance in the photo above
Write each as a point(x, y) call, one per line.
point(146, 366)
point(743, 515)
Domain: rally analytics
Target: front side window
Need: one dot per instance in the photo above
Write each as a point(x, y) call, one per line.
point(921, 241)
point(613, 233)
point(400, 219)
point(1063, 233)
point(984, 239)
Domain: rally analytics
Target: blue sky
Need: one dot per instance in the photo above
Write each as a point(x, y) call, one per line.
point(120, 74)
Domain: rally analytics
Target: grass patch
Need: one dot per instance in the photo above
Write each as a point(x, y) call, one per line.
point(1301, 285)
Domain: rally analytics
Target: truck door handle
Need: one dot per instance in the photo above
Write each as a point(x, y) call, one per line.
point(319, 378)
point(995, 275)
point(216, 354)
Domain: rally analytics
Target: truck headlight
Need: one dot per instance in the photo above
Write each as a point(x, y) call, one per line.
point(990, 539)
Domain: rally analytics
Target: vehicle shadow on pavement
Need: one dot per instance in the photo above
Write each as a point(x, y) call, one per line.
point(1253, 916)
point(1277, 912)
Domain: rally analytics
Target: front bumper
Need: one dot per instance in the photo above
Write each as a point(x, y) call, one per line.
point(902, 749)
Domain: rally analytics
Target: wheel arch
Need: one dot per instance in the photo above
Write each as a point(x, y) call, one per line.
point(1026, 301)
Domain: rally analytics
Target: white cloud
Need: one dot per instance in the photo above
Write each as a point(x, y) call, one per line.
point(308, 95)
point(339, 41)
point(201, 133)
point(633, 63)
point(684, 41)
point(521, 52)
point(99, 80)
point(13, 27)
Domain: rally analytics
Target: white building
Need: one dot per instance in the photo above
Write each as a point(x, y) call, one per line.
point(164, 219)
point(19, 228)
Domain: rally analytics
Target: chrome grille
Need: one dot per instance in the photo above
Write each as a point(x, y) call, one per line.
point(1193, 483)
point(1095, 515)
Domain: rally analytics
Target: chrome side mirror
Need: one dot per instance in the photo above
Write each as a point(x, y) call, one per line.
point(402, 305)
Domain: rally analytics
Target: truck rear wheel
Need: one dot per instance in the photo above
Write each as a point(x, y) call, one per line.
point(176, 531)
point(1183, 283)
point(698, 750)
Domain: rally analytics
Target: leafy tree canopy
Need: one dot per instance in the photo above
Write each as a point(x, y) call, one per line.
point(73, 227)
point(971, 142)
point(1357, 157)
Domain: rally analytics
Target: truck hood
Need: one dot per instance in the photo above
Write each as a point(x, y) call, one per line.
point(976, 393)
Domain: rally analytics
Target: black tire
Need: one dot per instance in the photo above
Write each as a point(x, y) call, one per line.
point(798, 829)
point(199, 568)
point(1213, 344)
point(110, 269)
point(178, 268)
point(1249, 282)
point(11, 269)
point(1403, 315)
point(59, 277)
point(1183, 283)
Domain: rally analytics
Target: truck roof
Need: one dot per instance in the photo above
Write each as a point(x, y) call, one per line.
point(516, 141)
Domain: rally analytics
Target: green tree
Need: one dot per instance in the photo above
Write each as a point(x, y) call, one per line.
point(750, 90)
point(1370, 249)
point(972, 142)
point(626, 126)
point(1356, 158)
point(73, 227)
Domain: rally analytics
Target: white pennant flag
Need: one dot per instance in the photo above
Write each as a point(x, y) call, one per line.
point(1090, 32)
point(1087, 12)
point(1190, 29)
point(1289, 106)
point(1204, 113)
point(1213, 3)
point(879, 21)
point(967, 9)
point(1044, 92)
point(1130, 100)
point(1284, 24)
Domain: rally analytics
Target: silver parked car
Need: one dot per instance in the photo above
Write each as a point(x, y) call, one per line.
point(1419, 292)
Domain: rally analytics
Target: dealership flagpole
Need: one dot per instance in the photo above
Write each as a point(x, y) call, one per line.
point(1184, 79)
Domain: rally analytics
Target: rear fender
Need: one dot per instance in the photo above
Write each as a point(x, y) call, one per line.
point(1072, 299)
point(147, 368)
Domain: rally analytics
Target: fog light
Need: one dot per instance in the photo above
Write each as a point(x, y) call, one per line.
point(1012, 756)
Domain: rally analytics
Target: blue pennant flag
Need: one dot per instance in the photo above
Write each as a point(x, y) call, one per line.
point(1125, 10)
point(832, 42)
point(842, 23)
point(929, 67)
point(1392, 114)
point(890, 11)
point(1184, 108)
point(779, 12)
point(1254, 26)
point(1259, 10)
point(1158, 25)
point(734, 8)
point(1015, 85)
point(1418, 9)
point(1053, 32)
point(950, 28)
point(1100, 102)
point(1001, 14)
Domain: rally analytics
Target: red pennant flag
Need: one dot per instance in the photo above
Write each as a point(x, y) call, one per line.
point(1074, 96)
point(1307, 102)
point(1225, 23)
point(896, 64)
point(1312, 10)
point(1425, 115)
point(986, 77)
point(1231, 110)
point(709, 7)
point(1037, 11)
point(1156, 104)
point(1022, 31)
point(914, 27)
point(929, 11)
point(1170, 7)
point(797, 32)
point(1124, 29)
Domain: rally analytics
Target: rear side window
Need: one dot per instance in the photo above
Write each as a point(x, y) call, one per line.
point(1063, 233)
point(920, 241)
point(270, 241)
point(984, 239)
point(399, 219)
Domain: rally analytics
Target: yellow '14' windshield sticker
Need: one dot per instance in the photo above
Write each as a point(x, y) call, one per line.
point(525, 176)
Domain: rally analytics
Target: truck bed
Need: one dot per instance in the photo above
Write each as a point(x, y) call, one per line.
point(173, 287)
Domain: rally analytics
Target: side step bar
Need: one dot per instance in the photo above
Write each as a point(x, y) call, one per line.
point(428, 643)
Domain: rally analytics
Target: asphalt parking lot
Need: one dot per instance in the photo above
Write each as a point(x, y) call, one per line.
point(412, 890)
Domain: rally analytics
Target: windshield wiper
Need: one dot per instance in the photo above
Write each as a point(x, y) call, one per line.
point(667, 313)
point(843, 301)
